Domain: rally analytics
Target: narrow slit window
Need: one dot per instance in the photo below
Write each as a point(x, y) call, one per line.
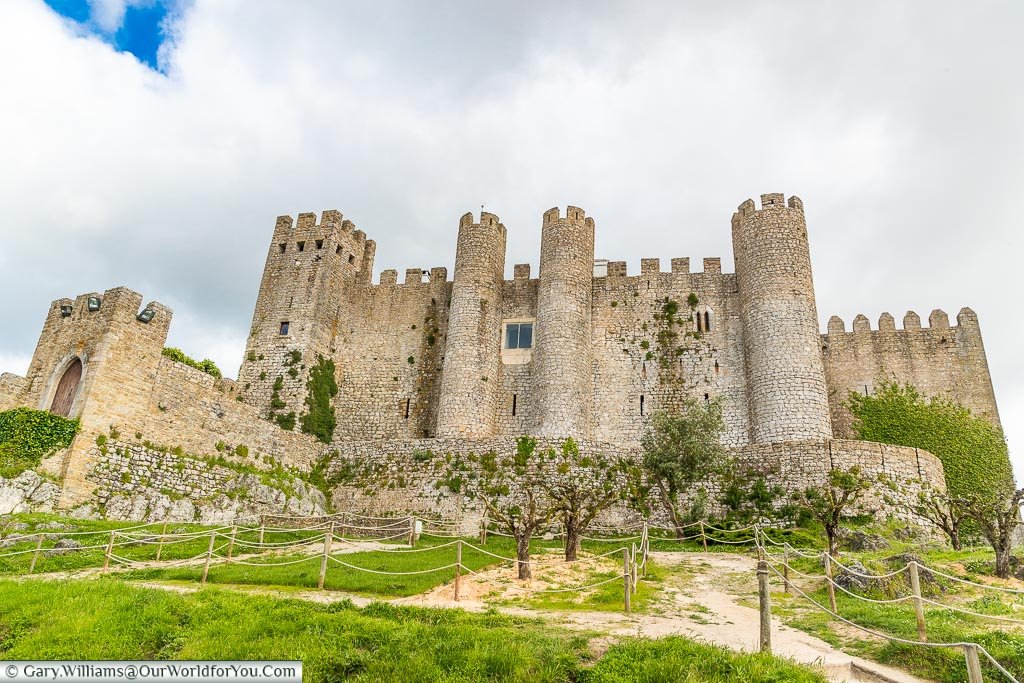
point(707, 398)
point(301, 246)
point(408, 402)
point(716, 367)
point(699, 323)
point(707, 321)
point(513, 405)
point(284, 327)
point(641, 405)
point(337, 250)
point(519, 336)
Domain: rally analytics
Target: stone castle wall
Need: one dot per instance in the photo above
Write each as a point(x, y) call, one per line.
point(401, 477)
point(939, 360)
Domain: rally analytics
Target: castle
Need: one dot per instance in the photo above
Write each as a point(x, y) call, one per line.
point(584, 350)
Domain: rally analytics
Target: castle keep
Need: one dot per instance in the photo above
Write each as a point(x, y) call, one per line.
point(582, 349)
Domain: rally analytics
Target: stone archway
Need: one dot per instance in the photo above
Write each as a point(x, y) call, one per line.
point(67, 388)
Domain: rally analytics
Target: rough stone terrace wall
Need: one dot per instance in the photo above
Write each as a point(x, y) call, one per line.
point(194, 410)
point(939, 360)
point(404, 473)
point(137, 483)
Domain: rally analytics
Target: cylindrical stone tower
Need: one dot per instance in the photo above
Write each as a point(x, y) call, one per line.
point(786, 390)
point(562, 374)
point(472, 359)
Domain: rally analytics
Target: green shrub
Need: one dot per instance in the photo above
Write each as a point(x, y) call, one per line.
point(27, 436)
point(206, 365)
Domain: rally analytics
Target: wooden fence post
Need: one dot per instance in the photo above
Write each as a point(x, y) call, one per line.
point(209, 556)
point(262, 530)
point(626, 575)
point(915, 586)
point(785, 567)
point(973, 664)
point(328, 537)
point(106, 555)
point(703, 536)
point(765, 603)
point(633, 565)
point(646, 546)
point(828, 580)
point(458, 568)
point(35, 555)
point(160, 545)
point(483, 531)
point(412, 532)
point(231, 543)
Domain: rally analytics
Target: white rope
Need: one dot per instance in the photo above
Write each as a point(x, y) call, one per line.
point(268, 564)
point(974, 583)
point(399, 550)
point(973, 614)
point(869, 576)
point(539, 590)
point(374, 571)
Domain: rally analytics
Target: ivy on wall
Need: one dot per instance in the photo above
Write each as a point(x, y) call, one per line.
point(972, 450)
point(27, 436)
point(319, 420)
point(206, 365)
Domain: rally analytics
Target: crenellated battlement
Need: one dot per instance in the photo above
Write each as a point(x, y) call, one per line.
point(770, 201)
point(119, 304)
point(679, 266)
point(414, 276)
point(573, 214)
point(938, 320)
point(488, 220)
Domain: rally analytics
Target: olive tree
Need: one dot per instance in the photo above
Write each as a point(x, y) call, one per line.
point(841, 494)
point(998, 517)
point(938, 507)
point(581, 487)
point(680, 450)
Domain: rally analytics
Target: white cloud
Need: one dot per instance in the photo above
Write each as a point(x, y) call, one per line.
point(895, 124)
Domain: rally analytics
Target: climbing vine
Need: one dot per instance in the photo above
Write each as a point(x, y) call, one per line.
point(27, 436)
point(319, 419)
point(972, 450)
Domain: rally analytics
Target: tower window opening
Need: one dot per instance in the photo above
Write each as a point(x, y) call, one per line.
point(351, 258)
point(641, 405)
point(707, 321)
point(284, 327)
point(337, 250)
point(407, 404)
point(519, 336)
point(707, 398)
point(301, 246)
point(282, 247)
point(716, 367)
point(319, 244)
point(700, 327)
point(513, 405)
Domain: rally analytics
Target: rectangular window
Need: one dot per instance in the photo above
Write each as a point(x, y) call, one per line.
point(284, 328)
point(519, 336)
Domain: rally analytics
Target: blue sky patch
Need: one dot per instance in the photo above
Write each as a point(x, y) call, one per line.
point(140, 33)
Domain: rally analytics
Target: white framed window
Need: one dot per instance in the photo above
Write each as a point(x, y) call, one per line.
point(518, 335)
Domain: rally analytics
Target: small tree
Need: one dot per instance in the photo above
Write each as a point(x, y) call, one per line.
point(998, 517)
point(840, 495)
point(680, 450)
point(581, 487)
point(939, 508)
point(747, 495)
point(513, 493)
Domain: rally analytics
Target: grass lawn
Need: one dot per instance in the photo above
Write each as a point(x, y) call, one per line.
point(108, 619)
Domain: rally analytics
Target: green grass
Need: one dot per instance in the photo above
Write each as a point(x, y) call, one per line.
point(108, 619)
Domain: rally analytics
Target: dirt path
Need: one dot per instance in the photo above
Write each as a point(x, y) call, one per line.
point(701, 598)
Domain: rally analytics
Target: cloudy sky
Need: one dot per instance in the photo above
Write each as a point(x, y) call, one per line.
point(151, 144)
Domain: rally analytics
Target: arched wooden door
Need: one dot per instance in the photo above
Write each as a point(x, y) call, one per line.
point(66, 389)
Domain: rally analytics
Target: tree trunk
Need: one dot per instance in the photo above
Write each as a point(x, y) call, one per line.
point(954, 538)
point(523, 556)
point(1003, 562)
point(833, 540)
point(572, 540)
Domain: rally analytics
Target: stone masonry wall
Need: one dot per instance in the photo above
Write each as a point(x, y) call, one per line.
point(939, 360)
point(136, 483)
point(405, 473)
